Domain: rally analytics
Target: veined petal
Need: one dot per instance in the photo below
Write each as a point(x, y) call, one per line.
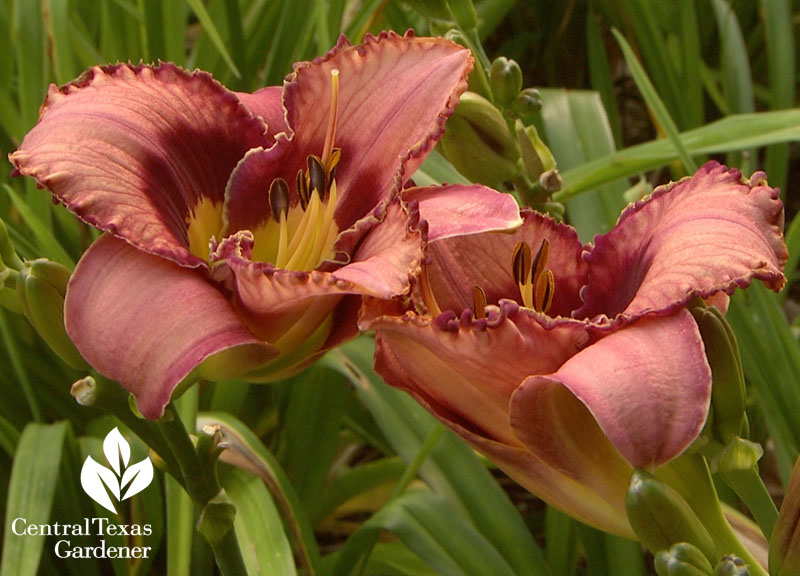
point(485, 260)
point(147, 323)
point(646, 386)
point(465, 374)
point(458, 210)
point(468, 369)
point(395, 94)
point(267, 102)
point(135, 150)
point(708, 233)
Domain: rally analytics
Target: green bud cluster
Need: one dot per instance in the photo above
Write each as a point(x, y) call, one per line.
point(731, 566)
point(661, 518)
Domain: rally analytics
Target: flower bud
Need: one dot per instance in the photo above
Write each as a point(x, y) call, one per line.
point(731, 566)
point(478, 143)
point(527, 104)
point(682, 559)
point(661, 517)
point(728, 395)
point(41, 287)
point(538, 160)
point(506, 80)
point(784, 545)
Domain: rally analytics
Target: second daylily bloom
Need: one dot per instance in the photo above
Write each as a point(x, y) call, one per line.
point(243, 229)
point(569, 365)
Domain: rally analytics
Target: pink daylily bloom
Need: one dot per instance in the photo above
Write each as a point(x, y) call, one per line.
point(243, 229)
point(570, 366)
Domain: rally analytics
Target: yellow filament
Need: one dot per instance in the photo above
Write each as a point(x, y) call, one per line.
point(427, 293)
point(283, 239)
point(203, 223)
point(330, 134)
point(305, 236)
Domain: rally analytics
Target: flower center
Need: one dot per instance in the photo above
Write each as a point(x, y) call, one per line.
point(536, 283)
point(302, 236)
point(297, 237)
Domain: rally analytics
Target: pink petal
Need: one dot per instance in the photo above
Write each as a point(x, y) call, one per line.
point(647, 387)
point(458, 210)
point(147, 323)
point(705, 234)
point(467, 369)
point(395, 94)
point(267, 103)
point(459, 263)
point(465, 372)
point(133, 149)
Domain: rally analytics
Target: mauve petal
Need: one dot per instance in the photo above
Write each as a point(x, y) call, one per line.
point(647, 386)
point(133, 149)
point(267, 102)
point(147, 323)
point(458, 210)
point(467, 369)
point(705, 234)
point(459, 263)
point(395, 94)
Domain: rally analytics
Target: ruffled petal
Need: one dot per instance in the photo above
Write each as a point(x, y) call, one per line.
point(647, 387)
point(705, 234)
point(467, 369)
point(133, 150)
point(459, 263)
point(147, 323)
point(459, 210)
point(267, 102)
point(395, 94)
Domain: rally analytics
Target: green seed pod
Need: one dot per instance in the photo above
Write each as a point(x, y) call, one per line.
point(682, 559)
point(731, 566)
point(505, 77)
point(478, 143)
point(661, 517)
point(41, 287)
point(728, 395)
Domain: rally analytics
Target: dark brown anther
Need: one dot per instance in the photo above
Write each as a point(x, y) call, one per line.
point(317, 177)
point(521, 263)
point(279, 199)
point(479, 299)
point(302, 189)
point(545, 288)
point(540, 261)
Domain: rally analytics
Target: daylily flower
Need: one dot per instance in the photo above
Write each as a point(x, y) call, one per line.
point(570, 365)
point(232, 249)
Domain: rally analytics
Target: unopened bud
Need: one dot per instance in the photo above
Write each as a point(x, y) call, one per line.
point(660, 517)
point(478, 143)
point(731, 566)
point(527, 104)
point(537, 158)
point(784, 545)
point(728, 395)
point(41, 287)
point(505, 77)
point(682, 559)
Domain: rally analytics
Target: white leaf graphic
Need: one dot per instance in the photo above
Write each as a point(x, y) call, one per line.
point(115, 448)
point(93, 478)
point(139, 475)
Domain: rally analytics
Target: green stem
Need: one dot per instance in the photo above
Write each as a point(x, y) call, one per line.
point(194, 477)
point(750, 487)
point(229, 556)
point(19, 369)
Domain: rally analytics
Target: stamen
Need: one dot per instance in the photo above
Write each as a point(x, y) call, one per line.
point(302, 189)
point(330, 134)
point(427, 294)
point(479, 299)
point(545, 287)
point(521, 265)
point(279, 198)
point(540, 261)
point(316, 176)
